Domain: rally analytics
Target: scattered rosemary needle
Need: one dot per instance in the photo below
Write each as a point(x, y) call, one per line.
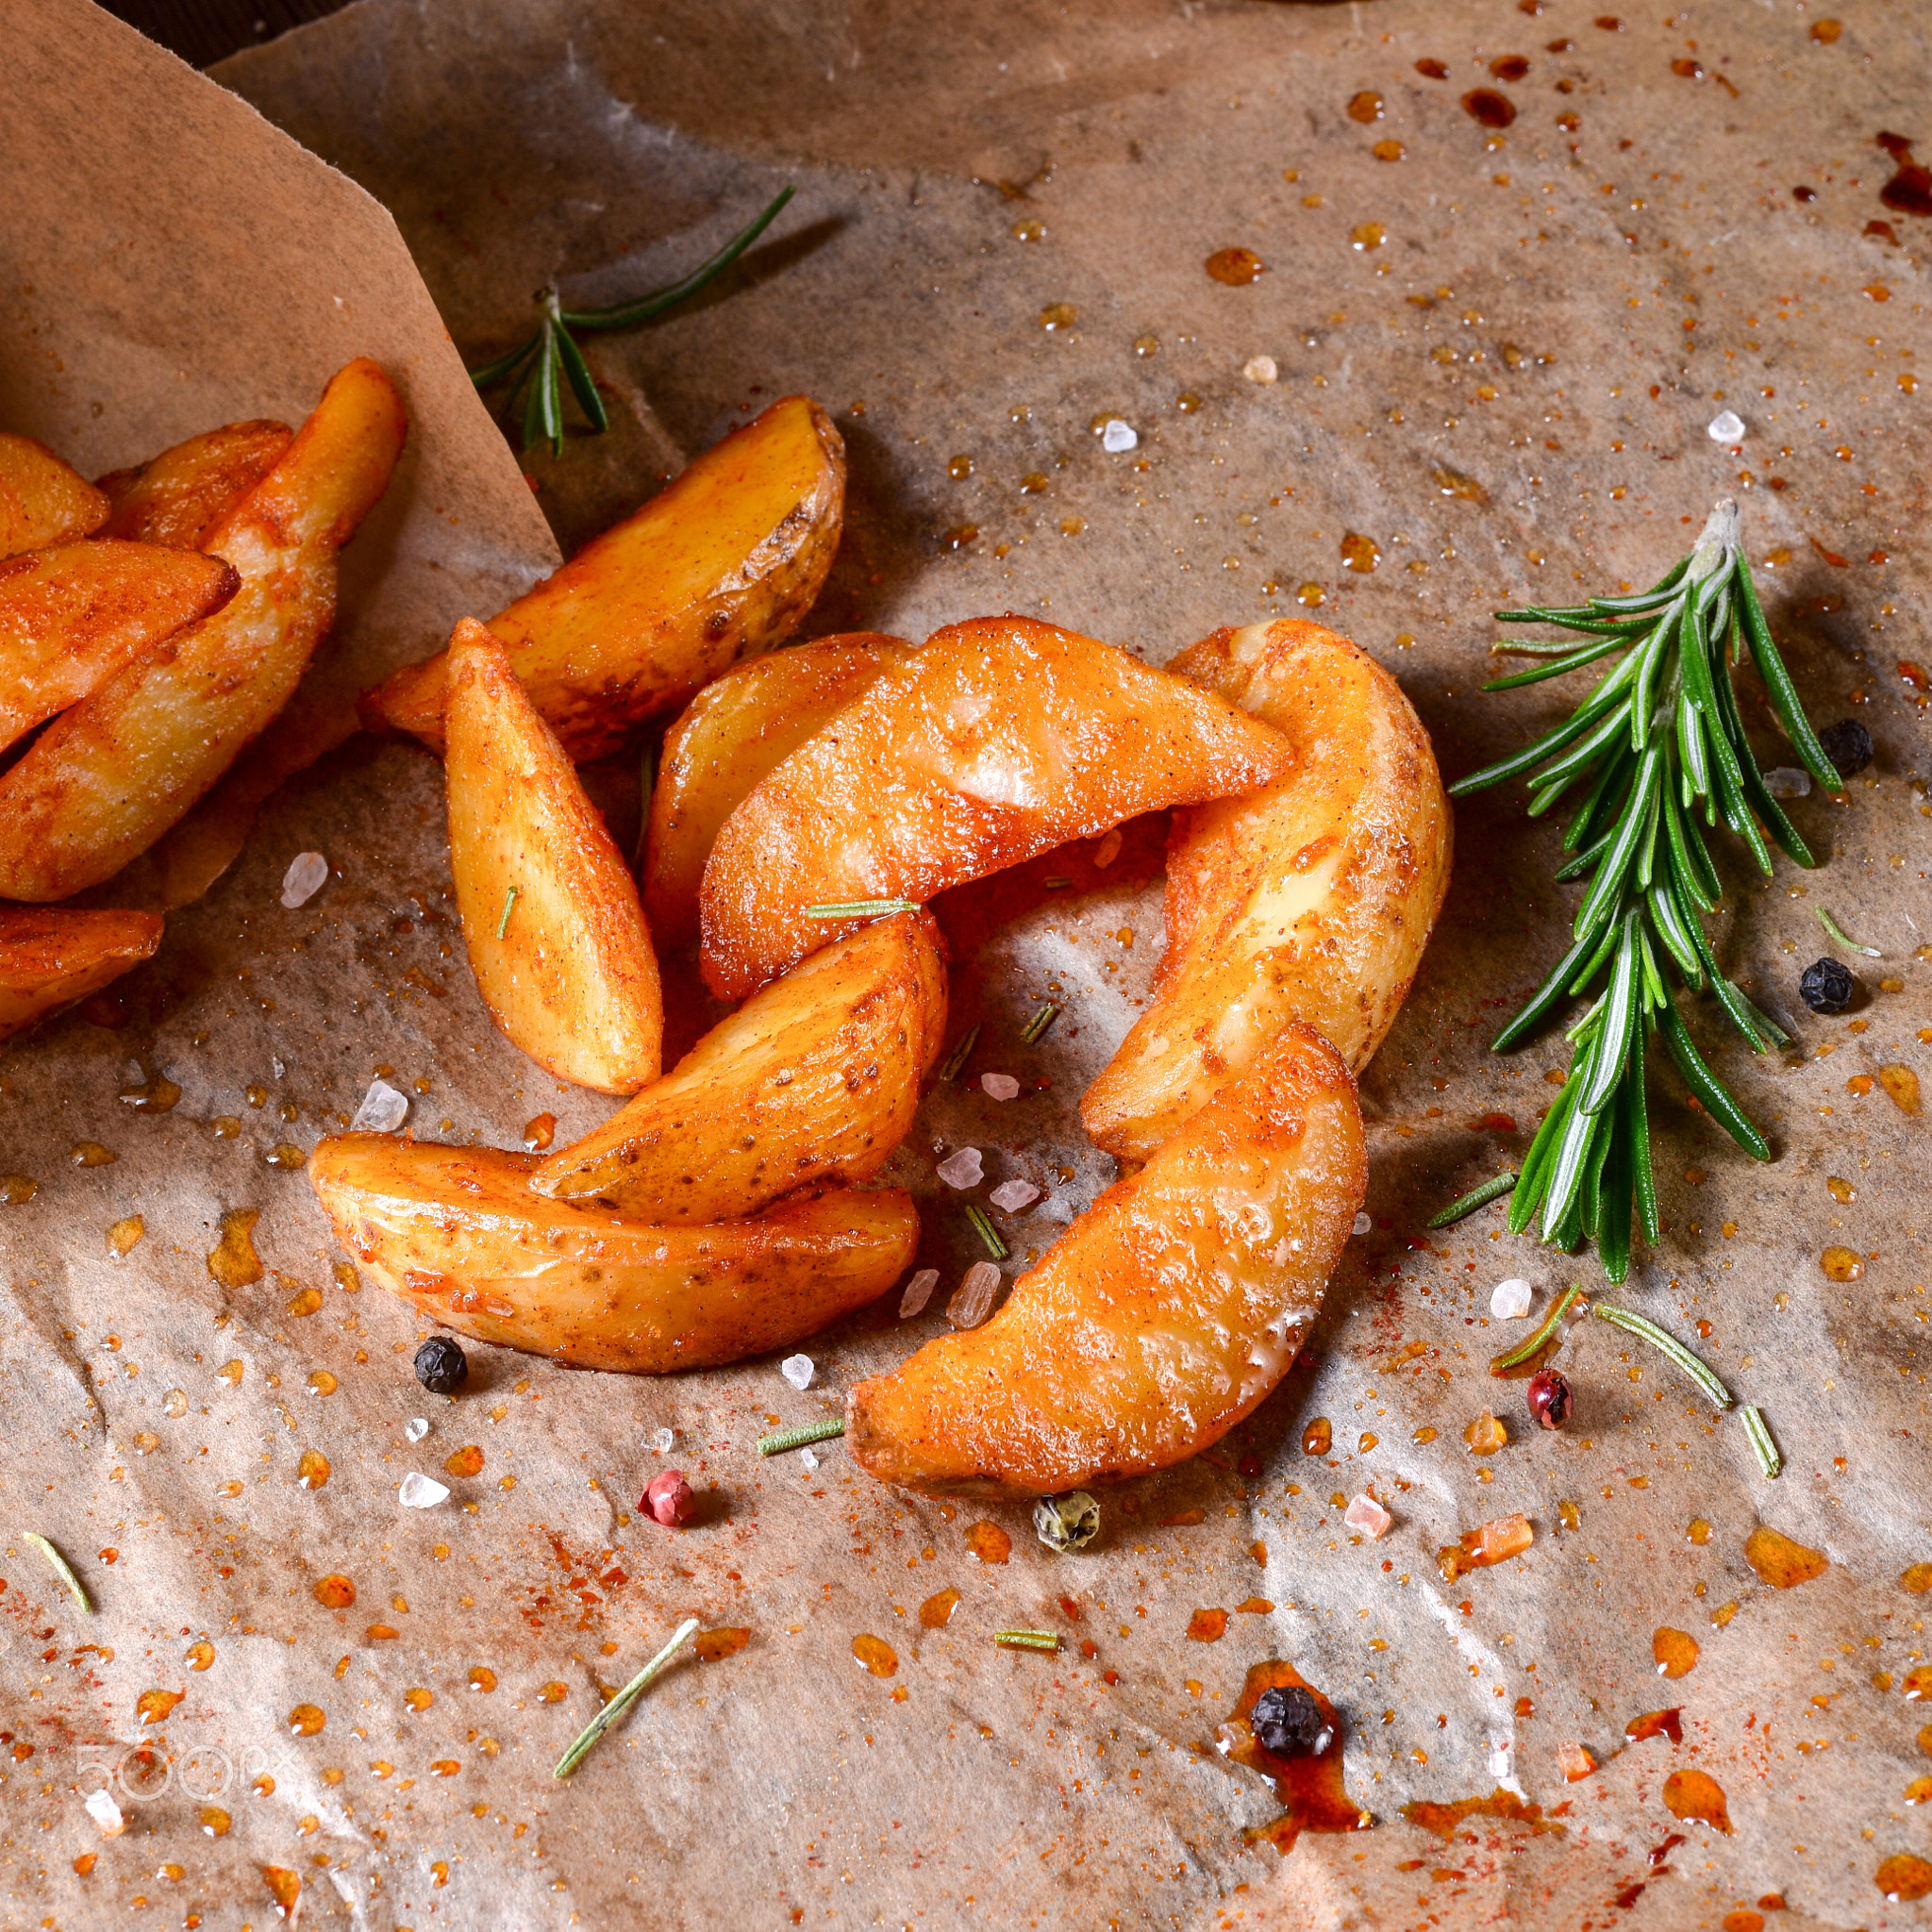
point(1668, 1344)
point(1040, 1022)
point(1759, 1431)
point(1476, 1197)
point(1027, 1640)
point(956, 1061)
point(509, 899)
point(1058, 883)
point(62, 1569)
point(1514, 1358)
point(1838, 932)
point(800, 1437)
point(862, 909)
point(987, 1233)
point(623, 1700)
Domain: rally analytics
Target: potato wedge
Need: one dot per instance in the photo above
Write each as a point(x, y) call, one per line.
point(723, 563)
point(814, 1079)
point(999, 738)
point(1158, 1319)
point(457, 1232)
point(50, 960)
point(107, 777)
point(177, 497)
point(556, 938)
point(1309, 901)
point(735, 731)
point(43, 500)
point(75, 614)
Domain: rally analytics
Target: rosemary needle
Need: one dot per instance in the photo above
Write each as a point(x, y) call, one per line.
point(987, 1233)
point(623, 1700)
point(799, 1438)
point(956, 1061)
point(62, 1569)
point(509, 901)
point(1040, 1022)
point(1668, 1344)
point(1515, 1357)
point(862, 909)
point(1476, 1197)
point(1027, 1640)
point(1759, 1431)
point(1838, 932)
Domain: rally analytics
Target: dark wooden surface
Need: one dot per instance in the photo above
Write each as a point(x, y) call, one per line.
point(204, 31)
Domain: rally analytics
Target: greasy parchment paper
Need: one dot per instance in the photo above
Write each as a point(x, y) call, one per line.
point(1496, 357)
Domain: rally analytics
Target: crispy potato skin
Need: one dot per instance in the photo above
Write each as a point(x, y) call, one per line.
point(722, 563)
point(457, 1232)
point(1158, 1319)
point(177, 498)
point(814, 1079)
point(43, 500)
point(734, 732)
point(75, 614)
point(999, 738)
point(50, 960)
point(109, 775)
point(1311, 900)
point(571, 978)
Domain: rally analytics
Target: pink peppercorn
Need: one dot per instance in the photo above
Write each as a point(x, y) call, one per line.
point(669, 1500)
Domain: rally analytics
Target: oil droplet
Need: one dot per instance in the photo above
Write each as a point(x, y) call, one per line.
point(1781, 1563)
point(285, 1154)
point(1917, 1683)
point(444, 1767)
point(1187, 402)
point(960, 467)
point(1425, 1434)
point(153, 1096)
point(1235, 267)
point(552, 1692)
point(229, 1489)
point(936, 1612)
point(1310, 1788)
point(285, 1886)
point(989, 1542)
point(1311, 596)
point(1509, 67)
point(1318, 1437)
point(1367, 1441)
point(876, 1655)
point(1826, 31)
point(334, 1591)
point(1208, 1626)
point(419, 1699)
point(215, 1821)
point(306, 1721)
point(1390, 150)
point(1569, 1515)
point(1486, 1435)
point(124, 1233)
point(256, 1095)
point(1030, 230)
point(84, 1863)
point(1359, 552)
point(1841, 1264)
point(482, 1678)
point(1363, 237)
point(1918, 1579)
point(233, 1261)
point(231, 1373)
point(322, 1383)
point(147, 1443)
point(539, 1132)
point(1453, 483)
point(1486, 105)
point(1699, 1531)
point(226, 1127)
point(1676, 1651)
point(1903, 1085)
point(1059, 315)
point(1841, 1190)
point(1696, 1796)
point(154, 1706)
point(312, 1469)
point(1919, 1790)
point(1658, 1723)
point(1365, 106)
point(17, 1190)
point(263, 1787)
point(468, 1460)
point(1903, 1876)
point(175, 1404)
point(960, 535)
point(711, 1646)
point(200, 1654)
point(91, 1154)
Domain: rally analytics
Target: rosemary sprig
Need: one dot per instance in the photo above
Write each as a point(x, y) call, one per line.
point(1476, 1197)
point(587, 1739)
point(537, 369)
point(1027, 1640)
point(1660, 737)
point(987, 1233)
point(510, 900)
point(62, 1569)
point(1705, 1377)
point(802, 1437)
point(1768, 1460)
point(1839, 933)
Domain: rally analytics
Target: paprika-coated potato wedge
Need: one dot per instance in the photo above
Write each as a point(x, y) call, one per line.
point(733, 732)
point(998, 738)
point(50, 960)
point(74, 614)
point(1311, 900)
point(556, 938)
point(1161, 1317)
point(815, 1077)
point(458, 1232)
point(43, 500)
point(108, 776)
point(723, 563)
point(177, 497)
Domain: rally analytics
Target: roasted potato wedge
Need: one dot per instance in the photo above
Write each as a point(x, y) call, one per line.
point(814, 1079)
point(735, 731)
point(43, 500)
point(457, 1232)
point(724, 562)
point(107, 777)
point(177, 497)
point(50, 960)
point(1309, 901)
point(1158, 1319)
point(75, 614)
point(556, 938)
point(999, 738)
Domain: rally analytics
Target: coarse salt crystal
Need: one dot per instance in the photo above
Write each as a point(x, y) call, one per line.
point(1109, 849)
point(1260, 369)
point(918, 1292)
point(1726, 426)
point(1499, 1757)
point(796, 1369)
point(1000, 1086)
point(1117, 437)
point(1010, 1196)
point(383, 1109)
point(662, 1439)
point(805, 1457)
point(1368, 1516)
point(1510, 1299)
point(102, 1809)
point(307, 875)
point(279, 1065)
point(1362, 1224)
point(971, 1301)
point(422, 1492)
point(1577, 1761)
point(962, 1167)
point(416, 1428)
point(1787, 781)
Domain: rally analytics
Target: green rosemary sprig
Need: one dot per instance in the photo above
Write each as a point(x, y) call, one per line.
point(1845, 939)
point(1476, 1197)
point(587, 1739)
point(537, 370)
point(62, 1569)
point(1701, 1373)
point(1660, 737)
point(802, 1437)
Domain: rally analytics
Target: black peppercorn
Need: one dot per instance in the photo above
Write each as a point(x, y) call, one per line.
point(1826, 986)
point(1287, 1722)
point(1549, 1400)
point(1848, 745)
point(441, 1366)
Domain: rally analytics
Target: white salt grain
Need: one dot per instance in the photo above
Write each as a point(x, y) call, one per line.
point(1787, 781)
point(1727, 426)
point(279, 1065)
point(383, 1109)
point(306, 876)
point(1368, 1517)
point(416, 1428)
point(1362, 1224)
point(962, 1169)
point(918, 1292)
point(422, 1492)
point(972, 1300)
point(661, 1440)
point(1010, 1196)
point(102, 1809)
point(1117, 437)
point(796, 1369)
point(1510, 1299)
point(1260, 369)
point(1000, 1086)
point(805, 1457)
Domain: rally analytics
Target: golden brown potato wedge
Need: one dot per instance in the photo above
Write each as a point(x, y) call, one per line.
point(75, 614)
point(458, 1232)
point(1309, 901)
point(999, 738)
point(556, 938)
point(177, 497)
point(1158, 1319)
point(50, 960)
point(107, 777)
point(814, 1079)
point(735, 731)
point(724, 562)
point(43, 500)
